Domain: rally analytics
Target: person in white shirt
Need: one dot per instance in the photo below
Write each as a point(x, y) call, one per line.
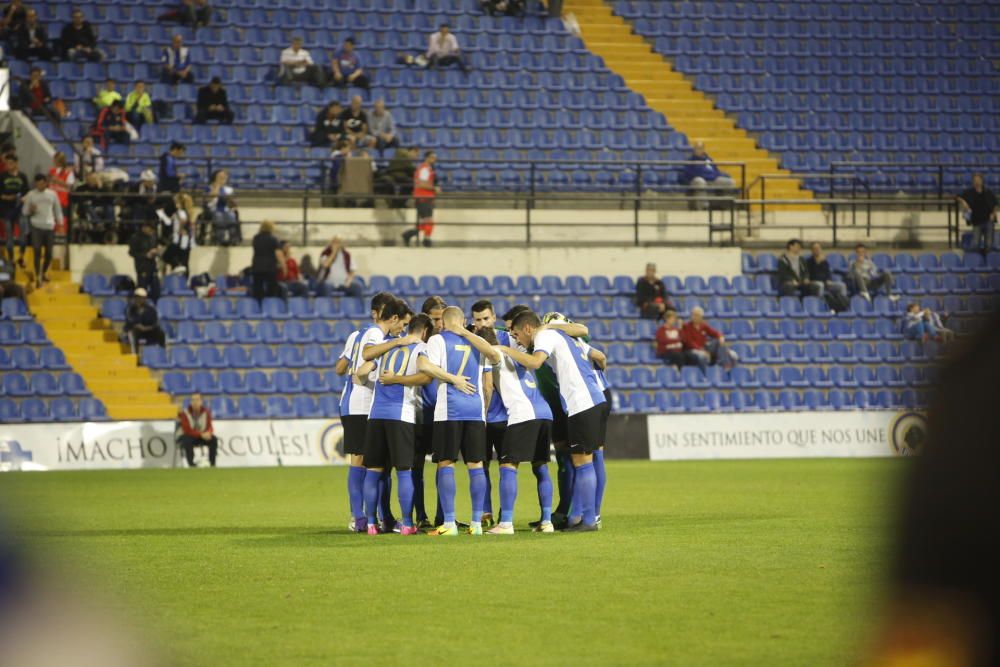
point(298, 66)
point(443, 50)
point(41, 209)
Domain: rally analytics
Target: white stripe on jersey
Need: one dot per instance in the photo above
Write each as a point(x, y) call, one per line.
point(520, 394)
point(465, 408)
point(398, 402)
point(360, 401)
point(579, 387)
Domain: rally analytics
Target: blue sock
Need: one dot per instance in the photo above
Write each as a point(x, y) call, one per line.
point(439, 513)
point(602, 480)
point(488, 500)
point(404, 487)
point(477, 489)
point(385, 496)
point(371, 495)
point(418, 491)
point(508, 493)
point(544, 491)
point(356, 491)
point(446, 493)
point(586, 490)
point(564, 471)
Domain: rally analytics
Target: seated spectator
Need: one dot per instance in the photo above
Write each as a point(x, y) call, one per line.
point(195, 430)
point(979, 208)
point(338, 160)
point(668, 343)
point(95, 213)
point(78, 40)
point(13, 18)
point(13, 187)
point(442, 50)
point(221, 210)
point(139, 106)
point(9, 289)
point(112, 126)
point(818, 269)
point(924, 324)
point(35, 99)
point(61, 180)
point(651, 294)
point(396, 180)
point(335, 275)
point(329, 128)
point(345, 68)
point(143, 248)
point(213, 103)
point(793, 275)
point(40, 213)
point(289, 276)
point(31, 42)
point(703, 345)
point(176, 61)
point(355, 122)
point(503, 7)
point(178, 229)
point(192, 13)
point(170, 176)
point(297, 66)
point(106, 95)
point(702, 174)
point(866, 276)
point(382, 127)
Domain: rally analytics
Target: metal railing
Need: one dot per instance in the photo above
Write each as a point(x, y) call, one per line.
point(937, 169)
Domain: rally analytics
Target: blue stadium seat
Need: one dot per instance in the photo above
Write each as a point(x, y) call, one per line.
point(35, 410)
point(176, 382)
point(262, 356)
point(92, 409)
point(72, 385)
point(205, 382)
point(258, 382)
point(232, 383)
point(10, 411)
point(301, 308)
point(63, 410)
point(251, 407)
point(45, 384)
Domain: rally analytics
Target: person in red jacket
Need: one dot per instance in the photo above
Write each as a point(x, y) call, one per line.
point(289, 276)
point(61, 180)
point(669, 345)
point(196, 430)
point(424, 192)
point(704, 345)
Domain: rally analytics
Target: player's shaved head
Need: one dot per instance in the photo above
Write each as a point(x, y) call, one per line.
point(453, 316)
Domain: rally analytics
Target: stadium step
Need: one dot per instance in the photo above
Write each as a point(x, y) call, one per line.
point(93, 349)
point(687, 110)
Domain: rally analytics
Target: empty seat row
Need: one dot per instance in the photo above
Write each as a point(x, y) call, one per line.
point(42, 384)
point(22, 333)
point(763, 400)
point(834, 352)
point(57, 409)
point(842, 377)
point(231, 382)
point(29, 359)
point(233, 357)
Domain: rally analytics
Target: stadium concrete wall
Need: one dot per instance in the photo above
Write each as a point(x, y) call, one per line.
point(440, 262)
point(319, 442)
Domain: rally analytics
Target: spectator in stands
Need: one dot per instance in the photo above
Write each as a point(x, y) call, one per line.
point(703, 174)
point(178, 228)
point(651, 294)
point(79, 40)
point(503, 7)
point(297, 66)
point(355, 123)
point(918, 324)
point(345, 68)
point(170, 176)
point(190, 13)
point(703, 345)
point(222, 210)
point(35, 98)
point(61, 180)
point(213, 103)
point(980, 209)
point(329, 128)
point(338, 159)
point(442, 50)
point(13, 18)
point(32, 41)
point(95, 215)
point(139, 106)
point(40, 213)
point(106, 95)
point(142, 207)
point(793, 275)
point(142, 322)
point(289, 275)
point(382, 127)
point(196, 430)
point(13, 188)
point(866, 276)
point(112, 126)
point(818, 269)
point(144, 249)
point(176, 61)
point(668, 343)
point(267, 257)
point(396, 180)
point(88, 159)
point(335, 273)
point(9, 289)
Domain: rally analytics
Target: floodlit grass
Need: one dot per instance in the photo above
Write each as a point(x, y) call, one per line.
point(699, 563)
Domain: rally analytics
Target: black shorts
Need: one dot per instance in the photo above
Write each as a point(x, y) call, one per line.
point(354, 433)
point(389, 442)
point(527, 441)
point(584, 430)
point(424, 443)
point(467, 438)
point(605, 417)
point(494, 439)
point(425, 208)
point(558, 420)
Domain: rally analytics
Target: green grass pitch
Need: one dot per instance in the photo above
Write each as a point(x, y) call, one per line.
point(699, 563)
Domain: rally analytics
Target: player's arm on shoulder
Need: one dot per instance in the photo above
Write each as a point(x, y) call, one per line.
point(533, 361)
point(479, 343)
point(598, 358)
point(342, 365)
point(375, 351)
point(425, 365)
point(364, 370)
point(414, 380)
point(571, 329)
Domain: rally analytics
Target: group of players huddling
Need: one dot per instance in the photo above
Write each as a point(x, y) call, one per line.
point(427, 384)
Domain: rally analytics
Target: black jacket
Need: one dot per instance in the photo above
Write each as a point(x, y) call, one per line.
point(208, 98)
point(138, 247)
point(818, 271)
point(786, 273)
point(85, 36)
point(646, 292)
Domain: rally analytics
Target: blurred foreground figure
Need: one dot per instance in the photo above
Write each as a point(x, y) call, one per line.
point(945, 596)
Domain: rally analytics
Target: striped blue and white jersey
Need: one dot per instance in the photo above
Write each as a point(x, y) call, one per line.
point(455, 355)
point(579, 388)
point(357, 399)
point(519, 392)
point(395, 401)
point(496, 412)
